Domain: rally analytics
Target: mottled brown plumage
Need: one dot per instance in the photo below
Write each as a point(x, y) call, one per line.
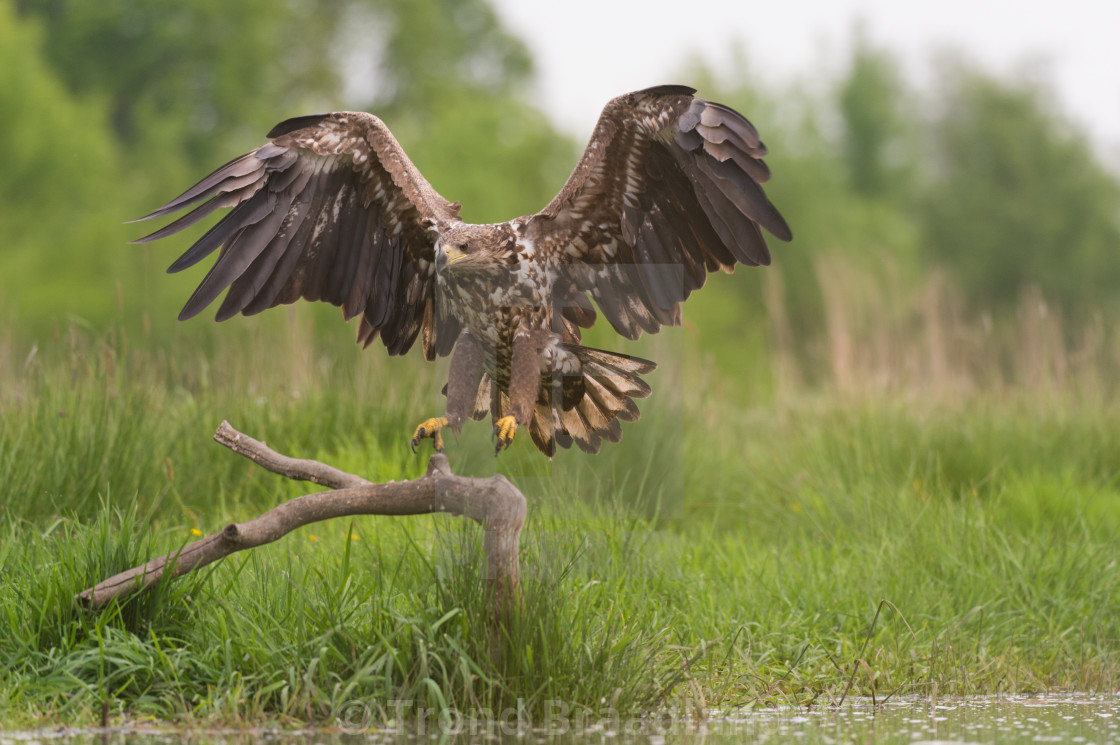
point(668, 189)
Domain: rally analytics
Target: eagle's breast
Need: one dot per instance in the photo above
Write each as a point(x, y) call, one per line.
point(495, 300)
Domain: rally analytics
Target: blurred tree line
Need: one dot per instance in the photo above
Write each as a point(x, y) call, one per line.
point(983, 178)
point(110, 107)
point(980, 188)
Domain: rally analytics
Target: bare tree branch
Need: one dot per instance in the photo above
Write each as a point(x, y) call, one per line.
point(297, 469)
point(493, 502)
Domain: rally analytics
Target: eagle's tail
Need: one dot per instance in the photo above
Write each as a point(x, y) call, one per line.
point(588, 408)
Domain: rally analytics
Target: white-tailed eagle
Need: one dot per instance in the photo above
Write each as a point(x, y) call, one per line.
point(332, 209)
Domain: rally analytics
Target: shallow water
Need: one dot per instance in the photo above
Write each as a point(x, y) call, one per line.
point(1070, 718)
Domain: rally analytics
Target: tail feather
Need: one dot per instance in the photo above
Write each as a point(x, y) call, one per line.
point(593, 415)
point(541, 430)
point(623, 363)
point(575, 426)
point(629, 412)
point(627, 385)
point(611, 382)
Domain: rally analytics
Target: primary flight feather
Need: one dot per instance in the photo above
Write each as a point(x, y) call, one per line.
point(332, 209)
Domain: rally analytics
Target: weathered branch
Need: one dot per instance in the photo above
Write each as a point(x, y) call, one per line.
point(493, 502)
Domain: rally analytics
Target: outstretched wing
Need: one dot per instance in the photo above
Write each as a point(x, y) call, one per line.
point(668, 189)
point(331, 209)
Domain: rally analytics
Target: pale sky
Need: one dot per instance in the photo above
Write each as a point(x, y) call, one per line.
point(590, 50)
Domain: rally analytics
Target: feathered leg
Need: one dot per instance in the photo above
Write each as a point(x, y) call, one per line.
point(463, 380)
point(524, 385)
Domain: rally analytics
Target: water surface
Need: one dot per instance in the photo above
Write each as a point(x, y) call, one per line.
point(1068, 718)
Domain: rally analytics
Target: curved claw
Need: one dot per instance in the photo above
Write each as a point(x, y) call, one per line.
point(504, 430)
point(430, 428)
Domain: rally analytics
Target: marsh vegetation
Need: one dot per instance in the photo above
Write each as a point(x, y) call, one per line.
point(888, 465)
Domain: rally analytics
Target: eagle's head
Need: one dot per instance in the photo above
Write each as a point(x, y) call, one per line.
point(475, 246)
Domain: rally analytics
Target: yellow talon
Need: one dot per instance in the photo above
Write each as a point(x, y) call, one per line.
point(430, 428)
point(503, 431)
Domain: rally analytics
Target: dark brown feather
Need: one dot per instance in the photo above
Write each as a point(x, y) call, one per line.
point(332, 210)
point(666, 180)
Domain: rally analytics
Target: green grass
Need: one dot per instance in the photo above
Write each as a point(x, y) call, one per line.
point(730, 551)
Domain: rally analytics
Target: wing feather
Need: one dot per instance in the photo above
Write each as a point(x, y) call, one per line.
point(667, 190)
point(241, 250)
point(225, 179)
point(330, 210)
point(270, 279)
point(250, 211)
point(357, 295)
point(252, 282)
